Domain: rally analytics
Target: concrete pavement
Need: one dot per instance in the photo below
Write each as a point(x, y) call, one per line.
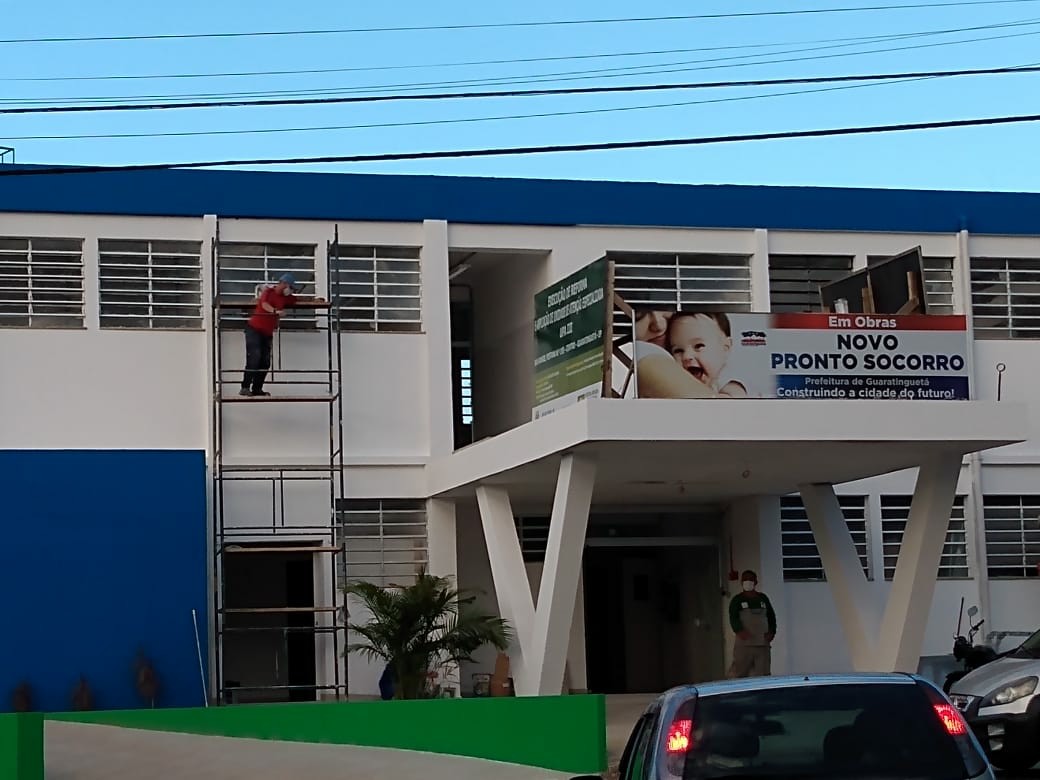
point(86, 752)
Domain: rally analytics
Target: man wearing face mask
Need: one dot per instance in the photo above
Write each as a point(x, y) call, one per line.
point(753, 620)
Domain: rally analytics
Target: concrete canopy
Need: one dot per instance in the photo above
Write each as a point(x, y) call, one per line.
point(670, 451)
point(627, 452)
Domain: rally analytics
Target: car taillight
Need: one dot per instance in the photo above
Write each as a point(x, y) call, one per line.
point(679, 736)
point(951, 720)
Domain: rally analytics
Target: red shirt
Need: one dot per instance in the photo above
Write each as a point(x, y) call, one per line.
point(267, 321)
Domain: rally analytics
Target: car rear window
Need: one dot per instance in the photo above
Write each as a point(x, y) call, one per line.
point(876, 731)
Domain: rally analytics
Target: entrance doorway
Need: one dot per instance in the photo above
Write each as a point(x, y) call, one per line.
point(653, 616)
point(270, 656)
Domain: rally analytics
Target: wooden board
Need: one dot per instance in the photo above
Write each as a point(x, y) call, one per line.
point(244, 399)
point(325, 549)
point(276, 610)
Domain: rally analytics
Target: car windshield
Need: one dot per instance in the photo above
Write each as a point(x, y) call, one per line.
point(1030, 648)
point(886, 731)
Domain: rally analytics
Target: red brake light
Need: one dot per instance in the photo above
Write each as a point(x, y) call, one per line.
point(952, 720)
point(679, 736)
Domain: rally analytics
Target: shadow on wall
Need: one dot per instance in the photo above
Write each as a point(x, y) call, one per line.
point(106, 551)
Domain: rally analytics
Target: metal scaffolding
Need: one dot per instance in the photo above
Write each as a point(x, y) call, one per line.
point(276, 536)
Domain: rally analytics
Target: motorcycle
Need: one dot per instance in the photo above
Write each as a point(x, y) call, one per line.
point(970, 655)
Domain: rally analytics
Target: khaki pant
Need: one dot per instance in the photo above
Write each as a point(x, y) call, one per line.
point(750, 661)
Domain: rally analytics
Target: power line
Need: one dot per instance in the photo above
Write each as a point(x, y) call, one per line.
point(524, 60)
point(503, 25)
point(464, 120)
point(608, 73)
point(520, 93)
point(527, 150)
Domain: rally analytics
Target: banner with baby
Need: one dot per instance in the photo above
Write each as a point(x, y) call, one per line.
point(686, 354)
point(590, 342)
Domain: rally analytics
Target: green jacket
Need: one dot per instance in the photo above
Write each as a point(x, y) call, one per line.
point(752, 612)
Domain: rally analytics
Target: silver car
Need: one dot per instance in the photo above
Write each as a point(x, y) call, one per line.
point(1001, 702)
point(859, 726)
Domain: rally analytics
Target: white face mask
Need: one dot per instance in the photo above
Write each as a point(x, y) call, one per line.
point(748, 585)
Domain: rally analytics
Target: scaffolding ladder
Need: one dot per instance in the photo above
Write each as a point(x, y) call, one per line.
point(319, 538)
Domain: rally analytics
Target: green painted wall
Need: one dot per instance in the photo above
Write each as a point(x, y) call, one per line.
point(564, 733)
point(21, 746)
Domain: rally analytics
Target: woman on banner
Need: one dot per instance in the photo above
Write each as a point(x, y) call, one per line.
point(658, 375)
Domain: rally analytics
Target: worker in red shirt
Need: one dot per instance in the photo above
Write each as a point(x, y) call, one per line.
point(260, 328)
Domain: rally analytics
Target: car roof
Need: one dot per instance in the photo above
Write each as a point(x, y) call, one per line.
point(748, 684)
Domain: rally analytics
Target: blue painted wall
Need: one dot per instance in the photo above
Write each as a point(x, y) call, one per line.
point(102, 552)
point(482, 200)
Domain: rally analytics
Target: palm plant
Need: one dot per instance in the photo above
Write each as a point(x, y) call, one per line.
point(419, 627)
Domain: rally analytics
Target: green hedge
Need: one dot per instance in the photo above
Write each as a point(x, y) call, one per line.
point(21, 746)
point(563, 733)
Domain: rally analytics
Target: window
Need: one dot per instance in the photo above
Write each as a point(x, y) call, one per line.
point(150, 284)
point(938, 282)
point(794, 280)
point(1005, 298)
point(379, 288)
point(682, 282)
point(462, 383)
point(244, 268)
point(1012, 536)
point(885, 731)
point(466, 385)
point(41, 282)
point(954, 562)
point(801, 558)
point(637, 757)
point(385, 539)
point(461, 313)
point(533, 533)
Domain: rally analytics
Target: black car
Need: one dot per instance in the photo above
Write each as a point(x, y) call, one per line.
point(859, 726)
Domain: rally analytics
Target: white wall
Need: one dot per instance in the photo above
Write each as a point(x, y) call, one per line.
point(384, 409)
point(103, 390)
point(1017, 385)
point(1015, 606)
point(817, 643)
point(95, 389)
point(503, 349)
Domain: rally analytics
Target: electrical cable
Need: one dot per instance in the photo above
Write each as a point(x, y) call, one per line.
point(463, 120)
point(519, 93)
point(527, 150)
point(504, 25)
point(523, 60)
point(565, 76)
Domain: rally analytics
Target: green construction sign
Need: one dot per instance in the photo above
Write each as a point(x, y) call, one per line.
point(570, 321)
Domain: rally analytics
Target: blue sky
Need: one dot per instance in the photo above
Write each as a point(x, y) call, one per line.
point(991, 158)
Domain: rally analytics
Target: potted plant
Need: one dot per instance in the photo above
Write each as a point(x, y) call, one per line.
point(418, 628)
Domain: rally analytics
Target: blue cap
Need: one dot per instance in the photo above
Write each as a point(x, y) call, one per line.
point(290, 280)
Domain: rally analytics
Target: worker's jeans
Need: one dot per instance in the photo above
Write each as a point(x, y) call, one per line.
point(258, 359)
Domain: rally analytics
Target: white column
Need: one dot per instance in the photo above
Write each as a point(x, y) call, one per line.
point(562, 569)
point(843, 568)
point(208, 226)
point(973, 510)
point(436, 317)
point(510, 577)
point(760, 271)
point(910, 599)
point(543, 634)
point(325, 657)
point(771, 575)
point(440, 534)
point(443, 559)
